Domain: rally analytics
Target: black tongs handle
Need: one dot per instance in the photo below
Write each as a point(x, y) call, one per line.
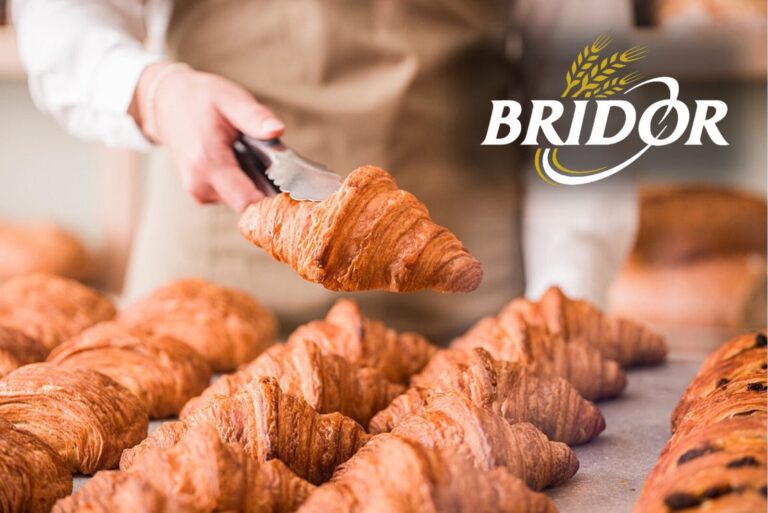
point(254, 161)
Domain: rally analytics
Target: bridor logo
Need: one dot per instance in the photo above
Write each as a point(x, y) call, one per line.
point(591, 85)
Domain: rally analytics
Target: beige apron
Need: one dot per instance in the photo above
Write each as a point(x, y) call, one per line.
point(402, 84)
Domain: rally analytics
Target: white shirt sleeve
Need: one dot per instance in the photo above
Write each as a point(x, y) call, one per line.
point(83, 59)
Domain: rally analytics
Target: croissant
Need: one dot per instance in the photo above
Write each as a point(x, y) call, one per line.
point(17, 349)
point(393, 474)
point(84, 416)
point(550, 404)
point(226, 326)
point(368, 343)
point(743, 372)
point(161, 371)
point(714, 467)
point(508, 337)
point(268, 424)
point(201, 474)
point(32, 247)
point(488, 441)
point(616, 338)
point(51, 309)
point(33, 475)
point(368, 235)
point(327, 382)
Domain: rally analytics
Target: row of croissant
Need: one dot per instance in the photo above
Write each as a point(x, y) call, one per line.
point(473, 429)
point(716, 458)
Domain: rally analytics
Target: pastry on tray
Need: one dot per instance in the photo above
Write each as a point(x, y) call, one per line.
point(84, 416)
point(32, 475)
point(368, 235)
point(509, 337)
point(716, 458)
point(17, 349)
point(268, 424)
point(51, 309)
point(226, 326)
point(200, 474)
point(550, 404)
point(327, 382)
point(41, 248)
point(616, 338)
point(398, 475)
point(161, 371)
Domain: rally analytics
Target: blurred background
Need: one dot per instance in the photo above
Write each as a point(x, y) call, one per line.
point(700, 253)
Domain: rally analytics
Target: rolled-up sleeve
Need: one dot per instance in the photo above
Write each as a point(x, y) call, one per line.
point(83, 59)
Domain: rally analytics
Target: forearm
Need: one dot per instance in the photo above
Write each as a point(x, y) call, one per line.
point(84, 59)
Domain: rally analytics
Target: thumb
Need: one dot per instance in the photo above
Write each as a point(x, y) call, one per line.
point(249, 116)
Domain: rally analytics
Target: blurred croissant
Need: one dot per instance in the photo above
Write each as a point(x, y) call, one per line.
point(392, 474)
point(50, 309)
point(201, 474)
point(454, 422)
point(550, 404)
point(268, 424)
point(368, 235)
point(161, 371)
point(508, 337)
point(617, 339)
point(327, 382)
point(84, 416)
point(33, 476)
point(345, 331)
point(17, 349)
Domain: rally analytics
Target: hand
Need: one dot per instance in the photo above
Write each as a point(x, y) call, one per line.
point(197, 117)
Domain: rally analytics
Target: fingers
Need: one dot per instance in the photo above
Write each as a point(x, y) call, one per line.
point(234, 187)
point(247, 115)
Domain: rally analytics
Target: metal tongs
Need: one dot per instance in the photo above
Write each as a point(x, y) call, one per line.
point(275, 168)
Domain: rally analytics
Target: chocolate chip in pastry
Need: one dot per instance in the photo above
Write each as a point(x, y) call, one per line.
point(17, 349)
point(577, 320)
point(454, 422)
point(550, 404)
point(368, 235)
point(226, 326)
point(32, 475)
point(268, 424)
point(345, 331)
point(200, 473)
point(327, 382)
point(86, 417)
point(508, 337)
point(398, 475)
point(161, 371)
point(50, 309)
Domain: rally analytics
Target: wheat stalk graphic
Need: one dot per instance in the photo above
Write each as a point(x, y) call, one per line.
point(591, 77)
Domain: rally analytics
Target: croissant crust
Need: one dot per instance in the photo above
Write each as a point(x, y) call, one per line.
point(84, 416)
point(17, 349)
point(368, 235)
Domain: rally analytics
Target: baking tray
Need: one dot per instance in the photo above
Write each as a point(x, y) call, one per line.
point(614, 466)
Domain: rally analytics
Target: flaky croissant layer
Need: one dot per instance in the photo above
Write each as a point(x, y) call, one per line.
point(368, 235)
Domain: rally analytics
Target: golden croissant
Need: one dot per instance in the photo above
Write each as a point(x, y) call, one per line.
point(161, 371)
point(486, 439)
point(550, 404)
point(226, 326)
point(508, 337)
point(346, 332)
point(50, 309)
point(32, 475)
point(327, 382)
point(368, 235)
point(86, 417)
point(617, 339)
point(17, 349)
point(392, 474)
point(268, 424)
point(199, 474)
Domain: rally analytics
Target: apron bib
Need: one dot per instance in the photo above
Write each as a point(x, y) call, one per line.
point(403, 84)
